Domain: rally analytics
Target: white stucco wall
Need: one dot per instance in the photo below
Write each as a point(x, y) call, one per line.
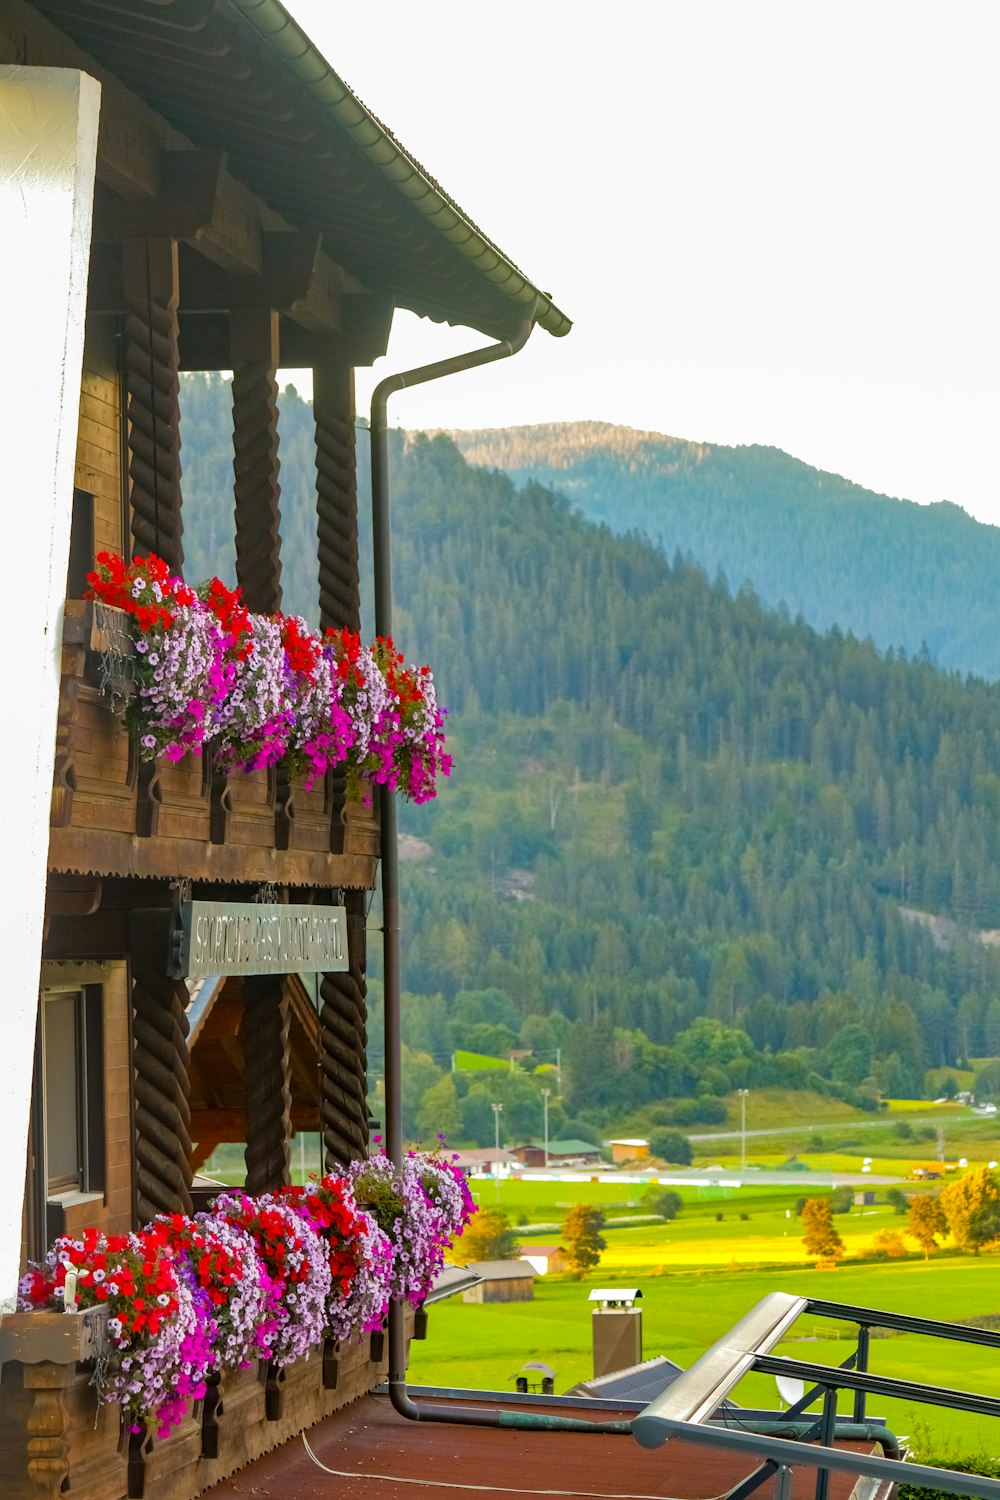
point(48, 153)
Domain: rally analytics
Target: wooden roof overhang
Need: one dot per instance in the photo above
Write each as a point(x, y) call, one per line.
point(239, 76)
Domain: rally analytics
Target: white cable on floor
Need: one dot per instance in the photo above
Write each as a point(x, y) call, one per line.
point(491, 1489)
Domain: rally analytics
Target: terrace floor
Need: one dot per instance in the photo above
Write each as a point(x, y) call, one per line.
point(372, 1453)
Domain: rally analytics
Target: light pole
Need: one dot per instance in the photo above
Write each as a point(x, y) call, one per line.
point(497, 1108)
point(545, 1106)
point(743, 1129)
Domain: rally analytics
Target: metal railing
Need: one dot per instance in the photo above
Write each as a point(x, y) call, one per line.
point(686, 1407)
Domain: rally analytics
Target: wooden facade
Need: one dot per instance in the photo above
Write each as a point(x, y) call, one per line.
point(240, 222)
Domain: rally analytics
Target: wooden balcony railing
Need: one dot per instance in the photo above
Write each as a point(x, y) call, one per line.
point(113, 814)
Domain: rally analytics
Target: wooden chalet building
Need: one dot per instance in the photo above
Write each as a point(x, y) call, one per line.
point(248, 212)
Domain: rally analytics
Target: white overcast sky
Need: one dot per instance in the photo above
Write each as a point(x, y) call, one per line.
point(772, 221)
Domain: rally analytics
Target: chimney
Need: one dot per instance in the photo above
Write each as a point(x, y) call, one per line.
point(617, 1328)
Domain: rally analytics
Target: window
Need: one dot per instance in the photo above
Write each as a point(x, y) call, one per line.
point(73, 1090)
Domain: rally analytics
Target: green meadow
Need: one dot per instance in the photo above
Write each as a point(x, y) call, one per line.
point(699, 1274)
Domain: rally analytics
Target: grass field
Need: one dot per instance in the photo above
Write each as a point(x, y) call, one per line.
point(701, 1272)
point(684, 1312)
point(729, 1246)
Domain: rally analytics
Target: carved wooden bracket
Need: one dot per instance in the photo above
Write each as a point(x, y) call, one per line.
point(64, 780)
point(212, 1413)
point(140, 1447)
point(149, 797)
point(295, 278)
point(331, 1364)
point(72, 895)
point(48, 1427)
point(219, 806)
point(274, 1392)
point(284, 810)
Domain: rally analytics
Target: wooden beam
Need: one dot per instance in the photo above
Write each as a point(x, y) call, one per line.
point(368, 319)
point(204, 345)
point(231, 1124)
point(288, 271)
point(136, 151)
point(189, 189)
point(198, 201)
point(114, 853)
point(104, 935)
point(150, 930)
point(73, 895)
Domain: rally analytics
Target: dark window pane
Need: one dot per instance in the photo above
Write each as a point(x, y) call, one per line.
point(61, 1047)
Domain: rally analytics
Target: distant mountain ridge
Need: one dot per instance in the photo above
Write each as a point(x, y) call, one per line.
point(910, 576)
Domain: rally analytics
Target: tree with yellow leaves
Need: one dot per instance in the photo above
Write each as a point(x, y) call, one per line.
point(889, 1245)
point(821, 1237)
point(972, 1207)
point(926, 1221)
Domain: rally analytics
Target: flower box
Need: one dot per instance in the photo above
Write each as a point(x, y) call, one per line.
point(175, 1313)
point(266, 690)
point(57, 1439)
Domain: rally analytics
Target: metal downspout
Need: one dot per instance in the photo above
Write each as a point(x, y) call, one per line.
point(403, 1403)
point(382, 549)
point(424, 1411)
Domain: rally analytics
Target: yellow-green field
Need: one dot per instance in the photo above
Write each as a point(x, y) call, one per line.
point(678, 1246)
point(744, 1228)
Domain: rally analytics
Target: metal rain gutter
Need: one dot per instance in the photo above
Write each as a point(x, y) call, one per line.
point(402, 1401)
point(424, 1411)
point(275, 26)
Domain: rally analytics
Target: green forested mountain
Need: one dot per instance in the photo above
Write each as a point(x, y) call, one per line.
point(911, 576)
point(669, 804)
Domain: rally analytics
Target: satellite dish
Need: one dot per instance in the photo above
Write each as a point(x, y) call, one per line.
point(790, 1388)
